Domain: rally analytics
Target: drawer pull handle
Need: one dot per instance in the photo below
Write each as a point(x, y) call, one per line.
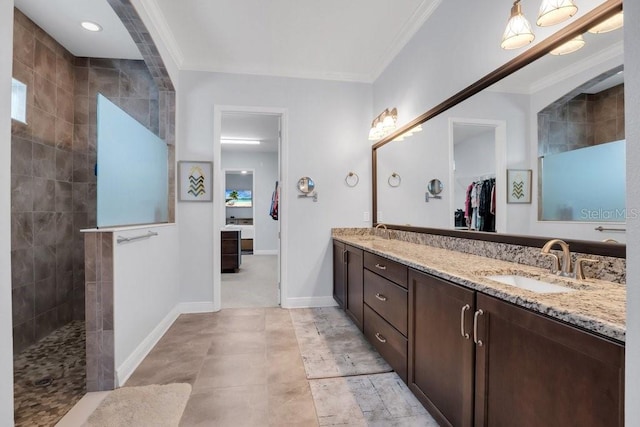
point(462, 331)
point(475, 328)
point(380, 337)
point(381, 267)
point(381, 297)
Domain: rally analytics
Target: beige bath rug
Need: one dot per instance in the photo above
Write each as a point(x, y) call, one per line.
point(332, 346)
point(152, 405)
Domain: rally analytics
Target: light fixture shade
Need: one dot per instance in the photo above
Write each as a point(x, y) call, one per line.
point(553, 12)
point(572, 45)
point(518, 32)
point(613, 23)
point(388, 123)
point(373, 134)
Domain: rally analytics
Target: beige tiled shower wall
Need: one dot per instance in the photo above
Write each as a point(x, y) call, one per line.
point(53, 170)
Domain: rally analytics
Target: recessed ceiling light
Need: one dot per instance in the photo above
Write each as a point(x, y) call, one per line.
point(243, 172)
point(91, 26)
point(239, 141)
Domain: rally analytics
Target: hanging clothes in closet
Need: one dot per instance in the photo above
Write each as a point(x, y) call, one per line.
point(480, 205)
point(273, 210)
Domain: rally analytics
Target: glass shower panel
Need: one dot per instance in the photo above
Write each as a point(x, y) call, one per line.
point(587, 184)
point(132, 170)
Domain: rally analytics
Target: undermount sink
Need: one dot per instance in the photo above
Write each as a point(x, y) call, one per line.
point(530, 284)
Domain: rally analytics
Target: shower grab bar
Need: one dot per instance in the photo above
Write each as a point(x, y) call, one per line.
point(131, 239)
point(601, 228)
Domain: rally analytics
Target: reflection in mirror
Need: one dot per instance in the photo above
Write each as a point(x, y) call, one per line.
point(435, 187)
point(581, 150)
point(509, 111)
point(306, 185)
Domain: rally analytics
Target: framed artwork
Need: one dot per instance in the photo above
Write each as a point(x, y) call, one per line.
point(195, 181)
point(518, 185)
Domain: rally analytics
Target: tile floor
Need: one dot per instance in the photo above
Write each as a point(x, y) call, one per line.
point(244, 365)
point(59, 357)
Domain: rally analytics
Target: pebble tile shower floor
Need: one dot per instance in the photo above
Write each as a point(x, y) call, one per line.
point(49, 377)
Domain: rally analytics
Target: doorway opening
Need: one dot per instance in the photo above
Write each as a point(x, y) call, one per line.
point(250, 168)
point(477, 152)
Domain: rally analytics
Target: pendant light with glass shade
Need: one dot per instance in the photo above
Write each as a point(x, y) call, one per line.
point(518, 32)
point(553, 12)
point(613, 23)
point(571, 46)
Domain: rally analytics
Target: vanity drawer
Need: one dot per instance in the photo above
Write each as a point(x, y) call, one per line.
point(392, 270)
point(387, 299)
point(389, 342)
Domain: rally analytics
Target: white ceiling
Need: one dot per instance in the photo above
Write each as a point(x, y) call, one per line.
point(263, 127)
point(61, 19)
point(337, 40)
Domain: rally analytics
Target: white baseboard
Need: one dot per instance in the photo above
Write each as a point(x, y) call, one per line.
point(124, 371)
point(196, 307)
point(309, 302)
point(266, 252)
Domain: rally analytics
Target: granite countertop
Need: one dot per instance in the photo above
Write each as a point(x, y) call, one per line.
point(594, 305)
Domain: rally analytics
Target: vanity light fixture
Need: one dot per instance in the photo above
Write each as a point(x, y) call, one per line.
point(613, 23)
point(518, 32)
point(571, 46)
point(240, 141)
point(91, 26)
point(553, 12)
point(384, 124)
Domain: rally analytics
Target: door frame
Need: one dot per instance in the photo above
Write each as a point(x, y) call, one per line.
point(500, 135)
point(219, 213)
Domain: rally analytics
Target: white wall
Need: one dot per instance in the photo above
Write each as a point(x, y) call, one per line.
point(6, 340)
point(265, 167)
point(146, 293)
point(328, 123)
point(632, 126)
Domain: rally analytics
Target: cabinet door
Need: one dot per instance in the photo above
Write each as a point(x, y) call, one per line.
point(441, 359)
point(355, 284)
point(339, 273)
point(535, 371)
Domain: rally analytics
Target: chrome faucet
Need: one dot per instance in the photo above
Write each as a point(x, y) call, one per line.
point(566, 270)
point(566, 257)
point(386, 231)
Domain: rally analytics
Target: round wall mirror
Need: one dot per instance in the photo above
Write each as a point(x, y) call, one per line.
point(306, 185)
point(435, 187)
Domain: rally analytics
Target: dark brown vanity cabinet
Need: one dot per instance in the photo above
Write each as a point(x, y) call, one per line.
point(536, 371)
point(514, 368)
point(339, 273)
point(348, 280)
point(441, 348)
point(385, 310)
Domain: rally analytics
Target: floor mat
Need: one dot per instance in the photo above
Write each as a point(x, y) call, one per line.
point(332, 346)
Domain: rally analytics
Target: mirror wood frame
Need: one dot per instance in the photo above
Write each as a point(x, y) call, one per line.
point(581, 25)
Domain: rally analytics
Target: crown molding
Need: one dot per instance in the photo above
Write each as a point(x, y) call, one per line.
point(617, 49)
point(153, 11)
point(410, 28)
point(283, 73)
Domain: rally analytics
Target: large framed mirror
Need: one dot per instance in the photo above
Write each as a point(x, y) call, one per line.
point(501, 123)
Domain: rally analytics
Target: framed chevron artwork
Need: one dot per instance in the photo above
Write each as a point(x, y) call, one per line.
point(195, 183)
point(518, 185)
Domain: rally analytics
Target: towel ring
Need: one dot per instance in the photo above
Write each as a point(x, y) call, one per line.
point(394, 180)
point(349, 179)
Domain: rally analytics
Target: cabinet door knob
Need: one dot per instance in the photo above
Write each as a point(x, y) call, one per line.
point(381, 297)
point(462, 331)
point(381, 267)
point(475, 328)
point(380, 337)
